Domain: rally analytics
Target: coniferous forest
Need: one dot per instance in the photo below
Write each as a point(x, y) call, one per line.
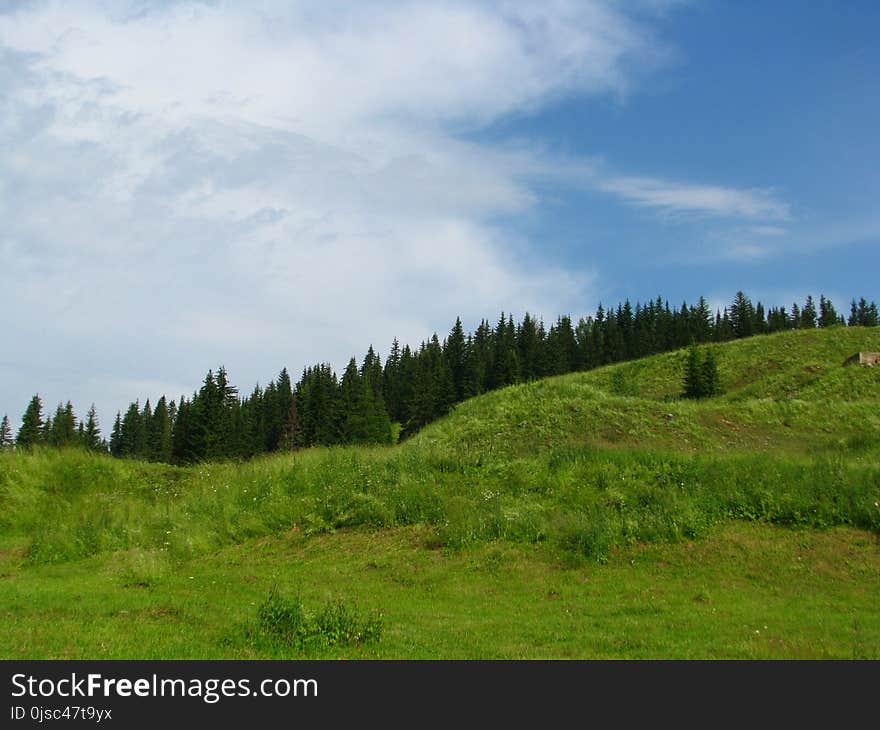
point(375, 403)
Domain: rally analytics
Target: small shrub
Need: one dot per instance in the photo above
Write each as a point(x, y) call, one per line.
point(591, 535)
point(285, 622)
point(281, 618)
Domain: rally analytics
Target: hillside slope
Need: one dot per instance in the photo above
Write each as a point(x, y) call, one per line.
point(786, 391)
point(590, 515)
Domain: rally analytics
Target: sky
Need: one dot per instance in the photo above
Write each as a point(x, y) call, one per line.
point(267, 184)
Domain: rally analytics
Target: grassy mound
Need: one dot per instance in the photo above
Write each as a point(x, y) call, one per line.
point(587, 462)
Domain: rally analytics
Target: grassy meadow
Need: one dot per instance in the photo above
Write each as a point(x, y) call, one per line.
point(592, 515)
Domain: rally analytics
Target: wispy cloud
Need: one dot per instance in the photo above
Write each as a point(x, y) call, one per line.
point(686, 198)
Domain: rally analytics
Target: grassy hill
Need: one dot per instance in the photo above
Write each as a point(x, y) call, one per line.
point(556, 518)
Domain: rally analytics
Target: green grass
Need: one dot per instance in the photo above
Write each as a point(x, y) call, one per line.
point(748, 590)
point(590, 515)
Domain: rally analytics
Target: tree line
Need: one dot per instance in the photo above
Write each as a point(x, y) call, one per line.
point(372, 403)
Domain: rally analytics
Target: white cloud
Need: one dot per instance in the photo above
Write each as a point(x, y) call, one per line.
point(674, 197)
point(262, 184)
point(768, 230)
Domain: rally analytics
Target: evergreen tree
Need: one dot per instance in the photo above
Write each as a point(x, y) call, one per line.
point(391, 382)
point(318, 408)
point(760, 324)
point(709, 372)
point(562, 347)
point(291, 433)
point(742, 316)
point(6, 440)
point(371, 370)
point(473, 370)
point(188, 436)
point(693, 373)
point(504, 340)
point(701, 373)
point(116, 437)
point(62, 432)
point(91, 432)
point(31, 432)
point(701, 317)
point(527, 347)
point(866, 315)
point(827, 313)
point(133, 436)
point(455, 355)
point(351, 404)
point(809, 316)
point(161, 434)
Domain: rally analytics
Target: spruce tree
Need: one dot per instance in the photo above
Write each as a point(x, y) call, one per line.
point(133, 437)
point(116, 437)
point(701, 373)
point(693, 373)
point(455, 355)
point(701, 318)
point(284, 418)
point(827, 313)
point(31, 432)
point(161, 432)
point(62, 432)
point(351, 404)
point(809, 316)
point(742, 316)
point(473, 370)
point(91, 431)
point(709, 375)
point(6, 439)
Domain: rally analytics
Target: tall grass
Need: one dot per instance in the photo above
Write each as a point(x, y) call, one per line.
point(585, 461)
point(586, 500)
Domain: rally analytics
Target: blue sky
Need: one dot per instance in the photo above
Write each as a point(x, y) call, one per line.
point(269, 184)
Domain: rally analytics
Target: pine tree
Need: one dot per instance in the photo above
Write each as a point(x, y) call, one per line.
point(760, 324)
point(473, 370)
point(709, 379)
point(287, 413)
point(62, 432)
point(809, 316)
point(31, 432)
point(188, 438)
point(742, 316)
point(91, 431)
point(133, 436)
point(161, 433)
point(116, 437)
point(6, 439)
point(701, 318)
point(827, 313)
point(351, 404)
point(701, 373)
point(371, 370)
point(455, 354)
point(693, 373)
point(527, 347)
